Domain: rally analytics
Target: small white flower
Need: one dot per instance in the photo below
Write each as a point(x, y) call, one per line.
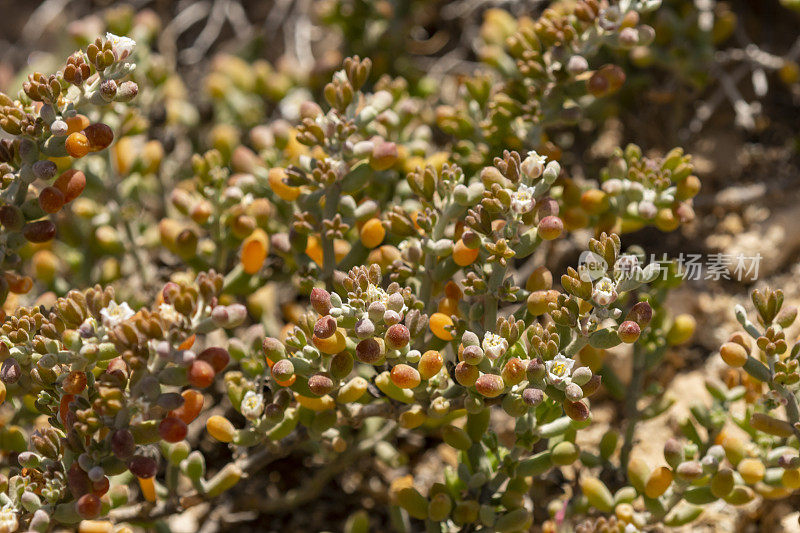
point(374, 293)
point(604, 292)
point(169, 313)
point(630, 528)
point(8, 519)
point(494, 345)
point(533, 165)
point(252, 405)
point(522, 199)
point(559, 370)
point(121, 46)
point(115, 313)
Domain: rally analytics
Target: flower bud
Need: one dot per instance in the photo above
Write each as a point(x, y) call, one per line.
point(629, 331)
point(673, 452)
point(320, 384)
point(273, 349)
point(430, 363)
point(321, 300)
point(10, 371)
point(108, 90)
point(397, 336)
point(592, 385)
point(283, 370)
point(514, 371)
point(578, 411)
point(472, 355)
point(490, 385)
point(44, 170)
point(216, 356)
point(573, 392)
point(466, 375)
point(40, 231)
point(536, 369)
point(405, 376)
point(689, 470)
point(550, 227)
point(325, 327)
point(126, 91)
point(532, 397)
point(369, 351)
point(641, 313)
point(581, 376)
point(142, 467)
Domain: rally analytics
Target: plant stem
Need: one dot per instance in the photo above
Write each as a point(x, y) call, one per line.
point(127, 226)
point(491, 301)
point(634, 389)
point(792, 410)
point(449, 212)
point(328, 254)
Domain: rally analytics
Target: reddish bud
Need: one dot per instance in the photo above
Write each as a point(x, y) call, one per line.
point(325, 327)
point(641, 313)
point(99, 136)
point(368, 351)
point(550, 228)
point(71, 184)
point(629, 331)
point(88, 506)
point(172, 429)
point(320, 384)
point(578, 411)
point(217, 357)
point(40, 231)
point(320, 300)
point(490, 385)
point(201, 374)
point(397, 336)
point(51, 200)
point(466, 375)
point(143, 467)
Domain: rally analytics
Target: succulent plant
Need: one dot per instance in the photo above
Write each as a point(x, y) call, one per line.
point(205, 278)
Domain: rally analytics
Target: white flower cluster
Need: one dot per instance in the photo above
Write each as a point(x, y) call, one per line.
point(494, 346)
point(115, 314)
point(252, 405)
point(121, 46)
point(559, 370)
point(8, 519)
